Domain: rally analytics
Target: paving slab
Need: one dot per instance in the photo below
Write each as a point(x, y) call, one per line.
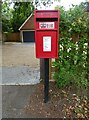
point(19, 75)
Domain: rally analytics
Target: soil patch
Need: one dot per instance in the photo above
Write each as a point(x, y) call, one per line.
point(63, 103)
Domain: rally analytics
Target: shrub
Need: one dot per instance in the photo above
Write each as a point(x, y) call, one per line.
point(72, 63)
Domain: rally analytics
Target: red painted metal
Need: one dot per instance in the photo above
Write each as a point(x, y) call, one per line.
point(46, 33)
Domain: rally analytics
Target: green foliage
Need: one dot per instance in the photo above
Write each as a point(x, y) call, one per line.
point(0, 16)
point(44, 3)
point(6, 16)
point(22, 10)
point(12, 18)
point(72, 61)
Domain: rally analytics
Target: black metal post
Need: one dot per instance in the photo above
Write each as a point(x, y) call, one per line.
point(46, 79)
point(42, 68)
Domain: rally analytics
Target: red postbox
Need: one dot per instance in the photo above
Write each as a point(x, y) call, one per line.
point(46, 33)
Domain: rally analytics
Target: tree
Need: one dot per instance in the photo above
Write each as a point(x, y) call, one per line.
point(6, 16)
point(24, 9)
point(0, 14)
point(13, 18)
point(44, 3)
point(20, 13)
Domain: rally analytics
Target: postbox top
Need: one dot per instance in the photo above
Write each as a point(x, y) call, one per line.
point(46, 13)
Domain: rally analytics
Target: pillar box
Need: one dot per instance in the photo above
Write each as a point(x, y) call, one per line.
point(46, 33)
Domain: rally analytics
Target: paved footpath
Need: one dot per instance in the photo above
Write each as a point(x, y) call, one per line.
point(14, 100)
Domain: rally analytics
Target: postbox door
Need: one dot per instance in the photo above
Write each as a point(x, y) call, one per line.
point(46, 44)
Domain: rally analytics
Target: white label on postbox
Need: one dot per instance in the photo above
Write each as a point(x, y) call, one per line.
point(46, 25)
point(47, 43)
